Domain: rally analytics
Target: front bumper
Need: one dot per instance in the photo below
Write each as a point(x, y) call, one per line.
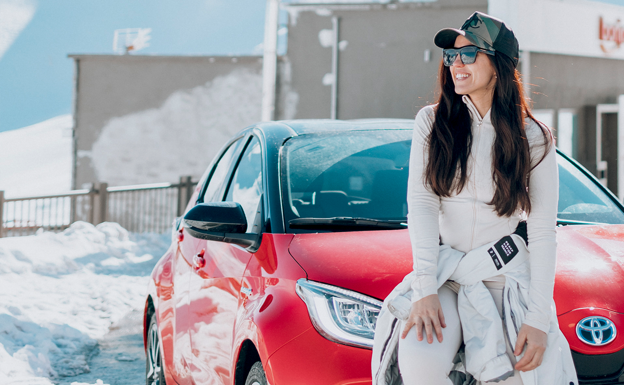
point(310, 359)
point(599, 369)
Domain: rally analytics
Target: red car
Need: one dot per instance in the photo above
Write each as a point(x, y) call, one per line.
point(295, 235)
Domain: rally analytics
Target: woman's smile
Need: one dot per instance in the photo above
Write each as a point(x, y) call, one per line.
point(476, 80)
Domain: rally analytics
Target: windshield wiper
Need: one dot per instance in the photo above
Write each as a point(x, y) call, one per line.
point(347, 223)
point(565, 222)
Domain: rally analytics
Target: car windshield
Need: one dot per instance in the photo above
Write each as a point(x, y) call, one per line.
point(358, 179)
point(582, 199)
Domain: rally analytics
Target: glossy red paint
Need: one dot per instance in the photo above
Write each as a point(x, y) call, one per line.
point(181, 322)
point(238, 296)
point(214, 293)
point(273, 306)
point(165, 307)
point(271, 314)
point(310, 359)
point(199, 261)
point(370, 262)
point(590, 261)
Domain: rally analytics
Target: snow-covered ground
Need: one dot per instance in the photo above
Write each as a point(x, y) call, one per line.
point(36, 160)
point(60, 293)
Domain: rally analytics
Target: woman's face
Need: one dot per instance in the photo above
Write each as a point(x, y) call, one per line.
point(477, 79)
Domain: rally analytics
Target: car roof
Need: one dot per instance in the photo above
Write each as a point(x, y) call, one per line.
point(309, 126)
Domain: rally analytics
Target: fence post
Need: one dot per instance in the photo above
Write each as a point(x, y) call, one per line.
point(189, 190)
point(185, 191)
point(103, 202)
point(1, 213)
point(92, 199)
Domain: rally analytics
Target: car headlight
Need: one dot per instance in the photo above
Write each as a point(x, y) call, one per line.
point(340, 315)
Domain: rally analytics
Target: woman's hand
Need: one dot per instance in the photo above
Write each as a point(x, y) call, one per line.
point(427, 313)
point(535, 341)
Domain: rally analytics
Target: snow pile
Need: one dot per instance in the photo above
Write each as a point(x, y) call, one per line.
point(61, 292)
point(182, 136)
point(36, 160)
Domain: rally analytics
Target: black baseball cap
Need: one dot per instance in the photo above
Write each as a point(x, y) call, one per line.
point(484, 31)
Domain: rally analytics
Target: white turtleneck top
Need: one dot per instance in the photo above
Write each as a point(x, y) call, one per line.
point(465, 221)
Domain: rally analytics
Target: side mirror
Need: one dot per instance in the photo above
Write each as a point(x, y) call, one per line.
point(219, 221)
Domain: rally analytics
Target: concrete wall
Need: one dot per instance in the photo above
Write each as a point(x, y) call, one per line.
point(580, 83)
point(144, 119)
point(382, 71)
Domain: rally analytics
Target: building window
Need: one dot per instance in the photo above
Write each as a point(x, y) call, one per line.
point(566, 131)
point(545, 116)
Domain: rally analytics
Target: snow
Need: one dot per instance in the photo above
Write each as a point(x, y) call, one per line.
point(37, 160)
point(184, 133)
point(61, 293)
point(326, 37)
point(14, 17)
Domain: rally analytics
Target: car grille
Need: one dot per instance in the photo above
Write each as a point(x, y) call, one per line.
point(600, 369)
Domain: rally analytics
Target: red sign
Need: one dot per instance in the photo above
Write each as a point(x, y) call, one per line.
point(611, 35)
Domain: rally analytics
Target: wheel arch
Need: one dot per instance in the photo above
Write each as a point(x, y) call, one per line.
point(247, 356)
point(147, 317)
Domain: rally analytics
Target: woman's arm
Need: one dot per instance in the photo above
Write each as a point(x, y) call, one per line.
point(422, 218)
point(541, 224)
point(423, 211)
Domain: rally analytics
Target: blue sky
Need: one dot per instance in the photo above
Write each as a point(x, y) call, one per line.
point(36, 77)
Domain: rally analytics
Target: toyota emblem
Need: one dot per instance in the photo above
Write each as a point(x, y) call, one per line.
point(596, 331)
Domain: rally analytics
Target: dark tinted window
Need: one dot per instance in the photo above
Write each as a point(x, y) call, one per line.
point(220, 173)
point(246, 185)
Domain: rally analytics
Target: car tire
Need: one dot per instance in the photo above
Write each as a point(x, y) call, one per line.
point(154, 374)
point(256, 375)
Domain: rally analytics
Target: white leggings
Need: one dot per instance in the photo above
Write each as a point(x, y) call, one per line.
point(421, 363)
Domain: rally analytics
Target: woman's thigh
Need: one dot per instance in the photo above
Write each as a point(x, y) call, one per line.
point(429, 364)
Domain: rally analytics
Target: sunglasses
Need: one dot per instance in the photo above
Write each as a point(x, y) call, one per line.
point(467, 54)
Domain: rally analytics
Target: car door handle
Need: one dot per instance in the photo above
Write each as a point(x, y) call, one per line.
point(198, 260)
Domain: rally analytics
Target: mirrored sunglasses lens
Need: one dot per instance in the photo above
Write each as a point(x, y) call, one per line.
point(449, 57)
point(468, 56)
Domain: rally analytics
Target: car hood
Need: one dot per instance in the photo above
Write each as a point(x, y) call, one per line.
point(590, 263)
point(369, 262)
point(590, 268)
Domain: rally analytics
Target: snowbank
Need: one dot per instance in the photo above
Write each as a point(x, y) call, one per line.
point(37, 159)
point(181, 136)
point(61, 292)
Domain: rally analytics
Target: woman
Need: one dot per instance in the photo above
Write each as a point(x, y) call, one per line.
point(480, 163)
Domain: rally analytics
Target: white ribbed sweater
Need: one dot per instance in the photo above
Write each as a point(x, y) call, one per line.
point(465, 221)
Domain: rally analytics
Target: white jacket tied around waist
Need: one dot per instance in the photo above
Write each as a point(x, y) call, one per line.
point(484, 357)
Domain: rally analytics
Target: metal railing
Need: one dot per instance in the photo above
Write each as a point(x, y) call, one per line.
point(139, 208)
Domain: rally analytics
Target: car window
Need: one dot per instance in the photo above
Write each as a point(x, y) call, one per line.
point(219, 175)
point(347, 174)
point(246, 185)
point(581, 199)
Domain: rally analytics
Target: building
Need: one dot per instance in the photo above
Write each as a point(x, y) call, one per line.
point(146, 119)
point(365, 59)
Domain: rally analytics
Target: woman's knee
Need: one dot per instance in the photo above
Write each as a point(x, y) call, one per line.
point(421, 362)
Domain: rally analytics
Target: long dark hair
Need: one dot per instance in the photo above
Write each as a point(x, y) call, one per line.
point(450, 140)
